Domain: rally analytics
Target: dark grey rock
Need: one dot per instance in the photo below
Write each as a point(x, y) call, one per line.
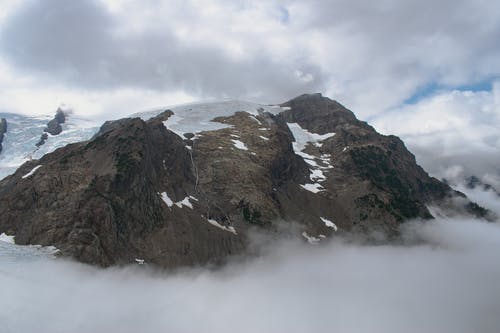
point(53, 127)
point(3, 130)
point(42, 140)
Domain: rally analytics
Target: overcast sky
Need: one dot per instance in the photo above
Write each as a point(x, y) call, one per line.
point(412, 68)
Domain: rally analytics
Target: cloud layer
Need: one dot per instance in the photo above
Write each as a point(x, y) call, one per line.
point(448, 284)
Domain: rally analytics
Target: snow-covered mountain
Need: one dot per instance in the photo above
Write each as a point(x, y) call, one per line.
point(187, 185)
point(24, 132)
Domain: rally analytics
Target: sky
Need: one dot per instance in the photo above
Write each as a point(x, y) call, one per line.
point(427, 71)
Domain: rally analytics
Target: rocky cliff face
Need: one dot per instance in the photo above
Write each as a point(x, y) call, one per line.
point(53, 127)
point(137, 190)
point(3, 130)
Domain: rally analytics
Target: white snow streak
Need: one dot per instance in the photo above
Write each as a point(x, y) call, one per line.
point(238, 144)
point(329, 223)
point(223, 227)
point(257, 120)
point(31, 172)
point(166, 199)
point(314, 188)
point(184, 202)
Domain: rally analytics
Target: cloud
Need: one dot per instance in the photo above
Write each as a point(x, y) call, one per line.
point(447, 284)
point(84, 44)
point(453, 134)
point(370, 56)
point(381, 53)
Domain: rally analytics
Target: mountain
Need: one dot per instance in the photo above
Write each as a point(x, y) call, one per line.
point(187, 186)
point(23, 136)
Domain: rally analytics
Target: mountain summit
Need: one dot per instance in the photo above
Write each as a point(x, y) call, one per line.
point(185, 186)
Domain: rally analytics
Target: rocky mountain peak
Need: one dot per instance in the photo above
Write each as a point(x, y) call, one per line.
point(185, 186)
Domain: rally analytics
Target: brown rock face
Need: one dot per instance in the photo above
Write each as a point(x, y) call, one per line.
point(374, 178)
point(138, 191)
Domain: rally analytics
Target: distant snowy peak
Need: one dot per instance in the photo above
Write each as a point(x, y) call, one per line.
point(22, 139)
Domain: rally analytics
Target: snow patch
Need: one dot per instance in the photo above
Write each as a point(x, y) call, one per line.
point(223, 227)
point(317, 175)
point(29, 174)
point(198, 117)
point(166, 199)
point(302, 139)
point(311, 239)
point(7, 239)
point(329, 223)
point(184, 202)
point(314, 188)
point(303, 136)
point(139, 261)
point(263, 138)
point(238, 144)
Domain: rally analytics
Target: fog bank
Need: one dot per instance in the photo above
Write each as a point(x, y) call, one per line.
point(449, 284)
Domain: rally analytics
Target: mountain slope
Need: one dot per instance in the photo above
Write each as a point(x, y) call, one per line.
point(177, 189)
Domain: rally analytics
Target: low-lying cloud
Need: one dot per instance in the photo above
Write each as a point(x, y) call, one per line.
point(449, 283)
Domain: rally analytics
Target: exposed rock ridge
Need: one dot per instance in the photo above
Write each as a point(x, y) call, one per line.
point(53, 127)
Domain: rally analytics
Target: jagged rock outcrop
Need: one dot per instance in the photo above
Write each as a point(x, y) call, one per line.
point(137, 190)
point(472, 182)
point(3, 130)
point(53, 127)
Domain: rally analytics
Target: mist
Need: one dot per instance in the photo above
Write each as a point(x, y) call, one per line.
point(449, 282)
